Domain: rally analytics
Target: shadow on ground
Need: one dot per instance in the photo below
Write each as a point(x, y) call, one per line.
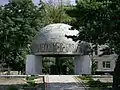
point(71, 86)
point(65, 86)
point(98, 88)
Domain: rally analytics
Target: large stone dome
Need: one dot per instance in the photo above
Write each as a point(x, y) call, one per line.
point(52, 40)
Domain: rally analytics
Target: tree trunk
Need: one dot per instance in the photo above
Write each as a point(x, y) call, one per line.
point(116, 75)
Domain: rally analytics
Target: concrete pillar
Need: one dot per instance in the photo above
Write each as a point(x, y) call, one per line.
point(82, 64)
point(34, 65)
point(77, 68)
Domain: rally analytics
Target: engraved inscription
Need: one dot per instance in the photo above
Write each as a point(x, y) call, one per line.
point(56, 48)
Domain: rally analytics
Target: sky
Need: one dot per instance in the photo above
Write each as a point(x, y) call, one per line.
point(2, 2)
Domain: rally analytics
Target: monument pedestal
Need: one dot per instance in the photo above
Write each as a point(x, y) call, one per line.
point(34, 65)
point(82, 65)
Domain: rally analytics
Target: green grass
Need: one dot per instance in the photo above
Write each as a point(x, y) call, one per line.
point(85, 78)
point(90, 82)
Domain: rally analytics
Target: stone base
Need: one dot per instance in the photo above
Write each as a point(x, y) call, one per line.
point(34, 65)
point(82, 65)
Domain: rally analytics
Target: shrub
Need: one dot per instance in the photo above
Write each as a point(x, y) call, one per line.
point(31, 83)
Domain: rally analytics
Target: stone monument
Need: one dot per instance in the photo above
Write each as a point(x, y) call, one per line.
point(51, 40)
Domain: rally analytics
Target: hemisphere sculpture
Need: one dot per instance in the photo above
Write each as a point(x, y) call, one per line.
point(52, 39)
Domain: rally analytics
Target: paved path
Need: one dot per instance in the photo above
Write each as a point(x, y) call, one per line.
point(62, 82)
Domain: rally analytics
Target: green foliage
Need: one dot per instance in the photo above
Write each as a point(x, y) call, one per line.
point(30, 81)
point(92, 83)
point(68, 62)
point(98, 22)
point(97, 83)
point(47, 62)
point(59, 62)
point(56, 13)
point(19, 22)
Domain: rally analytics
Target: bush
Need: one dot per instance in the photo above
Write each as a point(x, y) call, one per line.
point(31, 83)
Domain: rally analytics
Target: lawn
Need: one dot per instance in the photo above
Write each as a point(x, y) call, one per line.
point(95, 84)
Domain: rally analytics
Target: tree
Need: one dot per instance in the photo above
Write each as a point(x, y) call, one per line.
point(19, 22)
point(65, 65)
point(98, 22)
point(47, 62)
point(55, 12)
